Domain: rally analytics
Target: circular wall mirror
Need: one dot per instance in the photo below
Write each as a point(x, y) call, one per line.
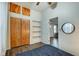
point(68, 28)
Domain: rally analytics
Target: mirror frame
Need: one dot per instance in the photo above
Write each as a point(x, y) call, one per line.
point(72, 30)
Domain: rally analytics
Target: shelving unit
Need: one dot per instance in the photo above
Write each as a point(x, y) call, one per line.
point(36, 30)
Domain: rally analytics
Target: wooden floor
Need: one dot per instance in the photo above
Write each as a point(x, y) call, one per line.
point(20, 49)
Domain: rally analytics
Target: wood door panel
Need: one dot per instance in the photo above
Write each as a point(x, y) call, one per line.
point(25, 11)
point(25, 32)
point(19, 32)
point(15, 32)
point(15, 8)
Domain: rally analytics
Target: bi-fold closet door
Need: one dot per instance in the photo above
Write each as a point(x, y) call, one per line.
point(19, 32)
point(25, 32)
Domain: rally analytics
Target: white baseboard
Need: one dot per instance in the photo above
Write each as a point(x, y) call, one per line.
point(3, 53)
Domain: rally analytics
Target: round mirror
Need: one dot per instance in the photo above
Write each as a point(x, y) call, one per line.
point(68, 28)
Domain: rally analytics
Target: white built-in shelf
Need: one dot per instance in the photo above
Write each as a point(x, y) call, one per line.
point(36, 30)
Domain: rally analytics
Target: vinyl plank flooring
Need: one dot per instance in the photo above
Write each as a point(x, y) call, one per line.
point(12, 52)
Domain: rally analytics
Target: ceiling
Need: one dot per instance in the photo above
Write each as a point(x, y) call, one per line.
point(41, 7)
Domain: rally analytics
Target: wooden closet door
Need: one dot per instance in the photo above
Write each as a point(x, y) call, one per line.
point(15, 32)
point(25, 32)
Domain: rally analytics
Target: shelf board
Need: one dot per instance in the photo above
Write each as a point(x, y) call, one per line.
point(36, 31)
point(35, 21)
point(36, 26)
point(36, 36)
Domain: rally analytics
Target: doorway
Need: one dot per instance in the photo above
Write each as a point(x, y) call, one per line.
point(54, 31)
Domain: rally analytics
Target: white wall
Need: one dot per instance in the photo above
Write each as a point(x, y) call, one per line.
point(3, 27)
point(0, 31)
point(66, 12)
